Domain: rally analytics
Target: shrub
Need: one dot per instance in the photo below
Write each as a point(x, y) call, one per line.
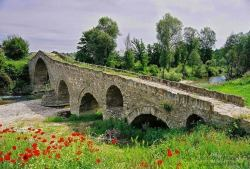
point(173, 76)
point(2, 59)
point(15, 47)
point(235, 130)
point(167, 107)
point(199, 71)
point(153, 70)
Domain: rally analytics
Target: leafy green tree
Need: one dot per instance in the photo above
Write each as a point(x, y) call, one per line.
point(15, 47)
point(169, 34)
point(2, 58)
point(191, 38)
point(144, 60)
point(169, 31)
point(139, 49)
point(109, 26)
point(129, 59)
point(99, 42)
point(207, 40)
point(154, 53)
point(113, 60)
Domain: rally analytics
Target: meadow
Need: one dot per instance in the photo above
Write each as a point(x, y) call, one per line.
point(90, 142)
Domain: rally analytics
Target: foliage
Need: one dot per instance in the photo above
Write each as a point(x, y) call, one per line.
point(235, 130)
point(129, 59)
point(2, 59)
point(15, 47)
point(98, 43)
point(207, 39)
point(153, 70)
point(167, 107)
point(173, 76)
point(73, 118)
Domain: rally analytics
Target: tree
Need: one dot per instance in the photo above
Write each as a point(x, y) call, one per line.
point(99, 42)
point(207, 40)
point(113, 60)
point(169, 34)
point(191, 39)
point(154, 53)
point(2, 58)
point(139, 49)
point(109, 26)
point(129, 59)
point(15, 47)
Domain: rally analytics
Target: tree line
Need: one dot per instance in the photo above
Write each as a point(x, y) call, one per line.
point(179, 53)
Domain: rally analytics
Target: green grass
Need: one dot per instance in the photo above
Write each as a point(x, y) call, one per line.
point(238, 87)
point(202, 147)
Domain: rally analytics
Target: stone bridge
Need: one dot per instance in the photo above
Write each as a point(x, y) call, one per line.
point(138, 99)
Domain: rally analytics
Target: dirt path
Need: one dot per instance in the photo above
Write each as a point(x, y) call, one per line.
point(25, 110)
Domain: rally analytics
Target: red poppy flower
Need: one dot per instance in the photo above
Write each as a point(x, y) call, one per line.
point(169, 153)
point(7, 157)
point(159, 162)
point(44, 140)
point(98, 160)
point(51, 142)
point(36, 153)
point(1, 159)
point(14, 147)
point(34, 145)
point(114, 141)
point(25, 157)
point(53, 136)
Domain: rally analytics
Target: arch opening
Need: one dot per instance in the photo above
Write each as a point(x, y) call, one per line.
point(114, 102)
point(193, 120)
point(88, 104)
point(41, 76)
point(145, 121)
point(114, 97)
point(63, 93)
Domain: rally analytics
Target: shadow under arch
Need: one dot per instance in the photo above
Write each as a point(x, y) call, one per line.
point(41, 76)
point(114, 101)
point(63, 96)
point(148, 120)
point(193, 120)
point(88, 103)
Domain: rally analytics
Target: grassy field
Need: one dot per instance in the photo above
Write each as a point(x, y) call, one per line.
point(239, 87)
point(61, 144)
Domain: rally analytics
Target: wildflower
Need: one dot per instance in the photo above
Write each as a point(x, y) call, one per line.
point(14, 147)
point(114, 141)
point(34, 145)
point(98, 160)
point(1, 159)
point(58, 156)
point(159, 162)
point(13, 161)
point(177, 151)
point(7, 157)
point(53, 136)
point(25, 157)
point(44, 140)
point(169, 153)
point(36, 153)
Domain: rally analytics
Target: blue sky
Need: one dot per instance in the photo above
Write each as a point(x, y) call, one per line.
point(58, 24)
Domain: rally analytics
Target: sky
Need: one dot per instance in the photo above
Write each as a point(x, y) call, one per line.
point(57, 25)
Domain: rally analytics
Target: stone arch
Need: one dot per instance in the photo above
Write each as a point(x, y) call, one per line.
point(151, 115)
point(41, 75)
point(114, 101)
point(114, 97)
point(193, 120)
point(63, 96)
point(88, 103)
point(148, 120)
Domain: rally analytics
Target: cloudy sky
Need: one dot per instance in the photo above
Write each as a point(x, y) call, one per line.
point(58, 24)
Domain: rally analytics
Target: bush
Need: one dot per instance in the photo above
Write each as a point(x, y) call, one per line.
point(199, 71)
point(15, 47)
point(2, 59)
point(173, 76)
point(5, 83)
point(153, 70)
